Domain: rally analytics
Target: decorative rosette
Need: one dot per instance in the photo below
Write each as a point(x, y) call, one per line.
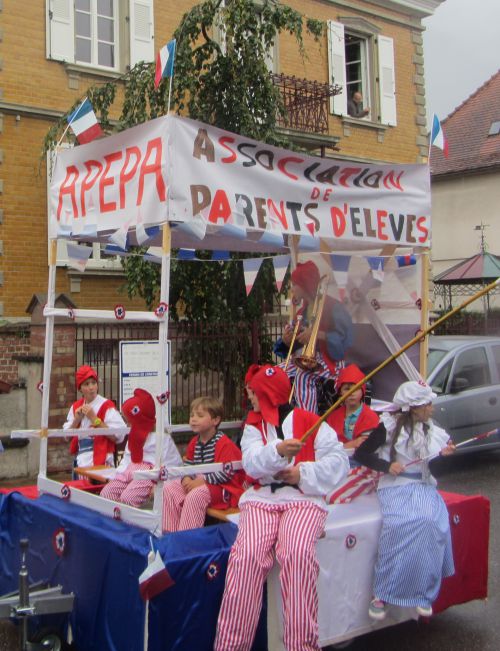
point(161, 310)
point(350, 541)
point(39, 386)
point(270, 372)
point(65, 492)
point(163, 473)
point(213, 571)
point(59, 541)
point(119, 312)
point(163, 397)
point(71, 314)
point(117, 513)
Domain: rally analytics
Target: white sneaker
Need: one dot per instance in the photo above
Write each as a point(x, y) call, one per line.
point(377, 609)
point(424, 611)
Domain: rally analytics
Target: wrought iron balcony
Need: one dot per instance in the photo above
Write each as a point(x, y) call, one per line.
point(306, 103)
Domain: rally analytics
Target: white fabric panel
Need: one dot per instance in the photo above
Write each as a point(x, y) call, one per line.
point(60, 30)
point(142, 47)
point(336, 66)
point(387, 81)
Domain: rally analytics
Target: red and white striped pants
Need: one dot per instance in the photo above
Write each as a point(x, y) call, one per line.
point(126, 490)
point(291, 529)
point(183, 510)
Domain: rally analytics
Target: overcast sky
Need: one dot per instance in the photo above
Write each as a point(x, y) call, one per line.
point(461, 50)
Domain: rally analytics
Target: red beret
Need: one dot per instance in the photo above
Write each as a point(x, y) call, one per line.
point(84, 373)
point(306, 275)
point(350, 375)
point(272, 387)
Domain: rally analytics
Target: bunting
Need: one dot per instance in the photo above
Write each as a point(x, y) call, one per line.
point(251, 268)
point(376, 267)
point(78, 255)
point(340, 269)
point(280, 263)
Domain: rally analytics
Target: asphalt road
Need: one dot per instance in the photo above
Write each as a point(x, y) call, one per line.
point(474, 626)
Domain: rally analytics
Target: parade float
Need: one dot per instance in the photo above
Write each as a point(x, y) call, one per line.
point(175, 183)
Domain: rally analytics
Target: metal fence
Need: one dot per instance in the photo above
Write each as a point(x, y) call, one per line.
point(207, 359)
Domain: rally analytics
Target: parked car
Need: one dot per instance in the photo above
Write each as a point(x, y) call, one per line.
point(464, 371)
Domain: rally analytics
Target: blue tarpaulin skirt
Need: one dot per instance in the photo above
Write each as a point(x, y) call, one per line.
point(415, 550)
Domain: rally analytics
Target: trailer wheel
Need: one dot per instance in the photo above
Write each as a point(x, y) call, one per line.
point(52, 638)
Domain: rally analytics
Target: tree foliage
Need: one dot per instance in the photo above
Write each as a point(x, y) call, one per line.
point(221, 79)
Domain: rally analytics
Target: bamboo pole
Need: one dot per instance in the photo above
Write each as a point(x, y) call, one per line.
point(392, 357)
point(424, 316)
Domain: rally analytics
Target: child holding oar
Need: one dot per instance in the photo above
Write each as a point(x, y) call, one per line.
point(415, 550)
point(284, 512)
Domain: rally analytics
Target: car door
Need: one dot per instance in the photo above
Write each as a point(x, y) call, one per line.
point(469, 404)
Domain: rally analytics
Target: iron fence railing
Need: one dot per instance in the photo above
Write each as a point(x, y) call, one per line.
point(207, 359)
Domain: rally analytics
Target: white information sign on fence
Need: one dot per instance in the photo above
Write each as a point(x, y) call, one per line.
point(139, 368)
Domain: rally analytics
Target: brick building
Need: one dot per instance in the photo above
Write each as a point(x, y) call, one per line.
point(374, 47)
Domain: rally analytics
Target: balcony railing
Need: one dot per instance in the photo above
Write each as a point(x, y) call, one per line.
point(306, 103)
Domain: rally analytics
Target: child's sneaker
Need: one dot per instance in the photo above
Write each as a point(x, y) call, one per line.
point(424, 611)
point(377, 609)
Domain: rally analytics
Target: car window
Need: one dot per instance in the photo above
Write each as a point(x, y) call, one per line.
point(471, 370)
point(496, 355)
point(434, 357)
point(439, 382)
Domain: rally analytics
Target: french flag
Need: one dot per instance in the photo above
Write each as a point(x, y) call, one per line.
point(154, 579)
point(84, 124)
point(251, 268)
point(165, 62)
point(406, 260)
point(78, 255)
point(438, 139)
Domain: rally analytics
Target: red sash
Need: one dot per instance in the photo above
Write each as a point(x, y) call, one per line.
point(102, 444)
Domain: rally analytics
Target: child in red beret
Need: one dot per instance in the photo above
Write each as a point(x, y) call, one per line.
point(93, 410)
point(140, 452)
point(283, 513)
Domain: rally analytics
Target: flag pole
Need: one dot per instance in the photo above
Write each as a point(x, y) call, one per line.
point(75, 114)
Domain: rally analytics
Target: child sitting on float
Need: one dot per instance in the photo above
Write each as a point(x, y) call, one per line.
point(185, 501)
point(140, 452)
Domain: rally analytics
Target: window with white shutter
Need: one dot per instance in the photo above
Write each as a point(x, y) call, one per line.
point(352, 57)
point(88, 32)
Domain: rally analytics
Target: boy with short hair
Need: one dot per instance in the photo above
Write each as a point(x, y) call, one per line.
point(185, 501)
point(140, 452)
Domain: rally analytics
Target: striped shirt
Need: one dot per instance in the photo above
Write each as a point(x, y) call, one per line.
point(205, 453)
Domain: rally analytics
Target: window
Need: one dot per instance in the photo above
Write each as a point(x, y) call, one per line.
point(103, 34)
point(219, 35)
point(494, 128)
point(471, 370)
point(361, 60)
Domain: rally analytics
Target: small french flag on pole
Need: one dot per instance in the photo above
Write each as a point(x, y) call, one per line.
point(84, 124)
point(165, 60)
point(438, 139)
point(155, 578)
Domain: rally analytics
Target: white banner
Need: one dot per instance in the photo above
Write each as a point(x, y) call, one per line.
point(232, 179)
point(112, 183)
point(247, 194)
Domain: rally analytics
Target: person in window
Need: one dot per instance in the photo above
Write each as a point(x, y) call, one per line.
point(355, 106)
point(415, 550)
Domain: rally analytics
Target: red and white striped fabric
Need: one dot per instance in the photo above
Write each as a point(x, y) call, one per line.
point(292, 529)
point(359, 481)
point(181, 510)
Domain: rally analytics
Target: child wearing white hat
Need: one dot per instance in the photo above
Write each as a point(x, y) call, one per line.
point(415, 550)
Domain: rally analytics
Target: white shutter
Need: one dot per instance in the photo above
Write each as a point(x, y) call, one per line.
point(387, 82)
point(142, 46)
point(60, 30)
point(336, 66)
